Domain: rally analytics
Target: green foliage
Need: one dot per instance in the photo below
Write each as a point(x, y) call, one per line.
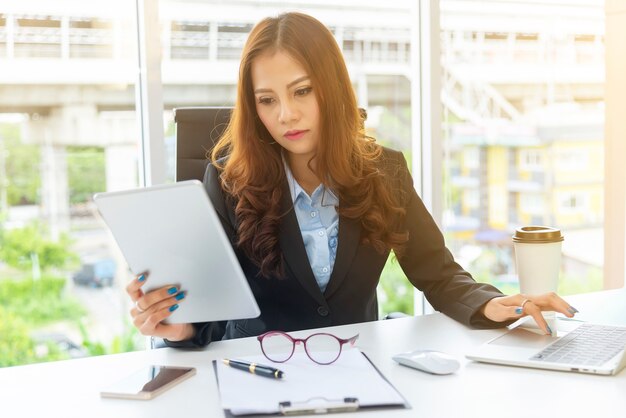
point(18, 245)
point(22, 163)
point(130, 340)
point(16, 346)
point(26, 304)
point(395, 292)
point(39, 302)
point(86, 172)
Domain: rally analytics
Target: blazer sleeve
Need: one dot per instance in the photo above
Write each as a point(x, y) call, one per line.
point(210, 331)
point(430, 266)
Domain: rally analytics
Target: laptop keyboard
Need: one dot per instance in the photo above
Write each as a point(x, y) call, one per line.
point(589, 344)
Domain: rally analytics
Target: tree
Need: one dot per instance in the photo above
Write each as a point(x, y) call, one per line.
point(86, 172)
point(22, 163)
point(21, 247)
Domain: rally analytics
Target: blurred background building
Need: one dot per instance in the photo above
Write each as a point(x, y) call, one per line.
point(523, 116)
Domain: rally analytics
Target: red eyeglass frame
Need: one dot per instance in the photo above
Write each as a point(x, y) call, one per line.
point(295, 341)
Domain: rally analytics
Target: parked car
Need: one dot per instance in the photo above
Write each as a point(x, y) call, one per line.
point(63, 342)
point(97, 273)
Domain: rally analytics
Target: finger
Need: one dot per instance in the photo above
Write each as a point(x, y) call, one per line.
point(515, 301)
point(152, 324)
point(157, 296)
point(166, 303)
point(501, 308)
point(514, 305)
point(553, 302)
point(133, 288)
point(516, 311)
point(504, 313)
point(533, 310)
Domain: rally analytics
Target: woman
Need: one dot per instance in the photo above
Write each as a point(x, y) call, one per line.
point(313, 206)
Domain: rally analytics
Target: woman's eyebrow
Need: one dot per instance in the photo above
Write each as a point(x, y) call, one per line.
point(298, 80)
point(294, 82)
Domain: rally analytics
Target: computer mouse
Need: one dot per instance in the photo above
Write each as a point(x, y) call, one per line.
point(434, 362)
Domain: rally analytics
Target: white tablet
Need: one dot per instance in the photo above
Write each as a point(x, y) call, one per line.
point(173, 232)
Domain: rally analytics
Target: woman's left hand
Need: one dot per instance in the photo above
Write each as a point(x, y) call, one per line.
point(505, 308)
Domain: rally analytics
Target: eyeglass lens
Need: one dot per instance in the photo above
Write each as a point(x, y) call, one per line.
point(277, 347)
point(323, 348)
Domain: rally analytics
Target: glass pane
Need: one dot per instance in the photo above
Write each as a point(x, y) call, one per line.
point(523, 113)
point(323, 348)
point(277, 346)
point(67, 130)
point(202, 44)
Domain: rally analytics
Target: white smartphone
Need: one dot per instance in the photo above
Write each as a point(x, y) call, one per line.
point(148, 382)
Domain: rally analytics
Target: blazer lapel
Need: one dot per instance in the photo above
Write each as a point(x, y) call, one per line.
point(293, 249)
point(349, 238)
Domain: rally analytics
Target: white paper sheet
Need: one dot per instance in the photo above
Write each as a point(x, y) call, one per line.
point(351, 376)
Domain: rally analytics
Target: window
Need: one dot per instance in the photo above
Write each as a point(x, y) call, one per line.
point(572, 160)
point(533, 204)
point(471, 158)
point(572, 202)
point(541, 138)
point(71, 130)
point(67, 130)
point(530, 160)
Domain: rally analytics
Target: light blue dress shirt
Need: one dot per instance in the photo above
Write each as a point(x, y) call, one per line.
point(319, 225)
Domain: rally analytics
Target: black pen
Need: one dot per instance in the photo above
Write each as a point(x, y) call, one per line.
point(254, 368)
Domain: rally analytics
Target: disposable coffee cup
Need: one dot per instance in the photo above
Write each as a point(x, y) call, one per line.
point(538, 262)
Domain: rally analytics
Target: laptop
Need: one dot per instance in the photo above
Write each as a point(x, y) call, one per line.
point(173, 232)
point(578, 347)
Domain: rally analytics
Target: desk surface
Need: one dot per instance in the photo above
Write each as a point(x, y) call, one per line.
point(71, 388)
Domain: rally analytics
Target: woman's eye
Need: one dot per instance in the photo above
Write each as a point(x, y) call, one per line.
point(303, 91)
point(265, 100)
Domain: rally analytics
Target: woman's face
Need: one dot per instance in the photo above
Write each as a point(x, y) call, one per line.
point(286, 104)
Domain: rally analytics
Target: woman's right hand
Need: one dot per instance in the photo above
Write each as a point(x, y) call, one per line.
point(150, 309)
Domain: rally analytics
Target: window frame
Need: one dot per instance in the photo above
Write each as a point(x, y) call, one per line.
point(615, 146)
point(426, 141)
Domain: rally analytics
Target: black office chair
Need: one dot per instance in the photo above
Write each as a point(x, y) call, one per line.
point(197, 131)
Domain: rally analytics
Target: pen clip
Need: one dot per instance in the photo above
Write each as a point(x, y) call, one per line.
point(318, 405)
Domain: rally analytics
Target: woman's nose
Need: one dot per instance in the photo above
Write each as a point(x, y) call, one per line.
point(288, 112)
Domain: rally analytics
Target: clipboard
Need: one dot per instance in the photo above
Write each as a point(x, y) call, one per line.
point(350, 384)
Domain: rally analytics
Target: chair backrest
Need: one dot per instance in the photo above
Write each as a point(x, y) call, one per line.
point(197, 130)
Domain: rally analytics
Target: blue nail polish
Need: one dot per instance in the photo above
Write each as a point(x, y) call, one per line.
point(141, 278)
point(180, 296)
point(519, 310)
point(171, 290)
point(549, 329)
point(572, 310)
point(173, 308)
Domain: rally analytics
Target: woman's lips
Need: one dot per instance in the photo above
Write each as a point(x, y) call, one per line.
point(295, 134)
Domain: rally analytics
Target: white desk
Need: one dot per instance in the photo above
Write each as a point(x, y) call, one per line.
point(71, 388)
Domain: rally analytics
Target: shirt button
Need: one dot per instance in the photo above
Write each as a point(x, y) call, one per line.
point(321, 233)
point(323, 311)
point(313, 214)
point(325, 270)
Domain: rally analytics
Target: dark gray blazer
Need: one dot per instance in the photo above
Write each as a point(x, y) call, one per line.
point(296, 301)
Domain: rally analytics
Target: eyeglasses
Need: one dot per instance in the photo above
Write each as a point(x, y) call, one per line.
point(322, 348)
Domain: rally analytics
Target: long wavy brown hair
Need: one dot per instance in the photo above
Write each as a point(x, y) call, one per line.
point(347, 160)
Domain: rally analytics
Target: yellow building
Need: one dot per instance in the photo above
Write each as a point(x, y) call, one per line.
point(551, 175)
